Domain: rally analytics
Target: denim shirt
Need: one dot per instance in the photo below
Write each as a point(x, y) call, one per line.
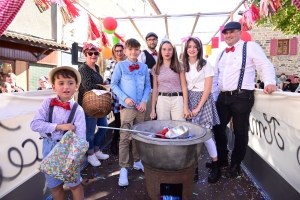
point(135, 84)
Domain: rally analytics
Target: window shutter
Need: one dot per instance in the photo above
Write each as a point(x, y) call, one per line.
point(273, 47)
point(293, 46)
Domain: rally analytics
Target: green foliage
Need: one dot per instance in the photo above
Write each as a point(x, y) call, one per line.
point(285, 20)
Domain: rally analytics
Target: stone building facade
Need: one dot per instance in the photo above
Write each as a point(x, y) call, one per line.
point(288, 64)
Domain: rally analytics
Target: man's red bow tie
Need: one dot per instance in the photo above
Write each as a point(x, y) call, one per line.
point(154, 53)
point(229, 49)
point(55, 102)
point(133, 67)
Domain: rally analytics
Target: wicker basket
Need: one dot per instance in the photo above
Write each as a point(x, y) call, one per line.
point(96, 106)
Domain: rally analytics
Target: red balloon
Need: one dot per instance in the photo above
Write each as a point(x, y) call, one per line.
point(246, 36)
point(110, 23)
point(243, 25)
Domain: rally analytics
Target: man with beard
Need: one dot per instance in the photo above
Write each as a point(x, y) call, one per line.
point(149, 56)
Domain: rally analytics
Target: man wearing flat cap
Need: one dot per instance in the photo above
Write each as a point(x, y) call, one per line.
point(149, 57)
point(233, 88)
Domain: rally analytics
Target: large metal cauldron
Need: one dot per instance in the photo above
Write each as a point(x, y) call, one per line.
point(169, 154)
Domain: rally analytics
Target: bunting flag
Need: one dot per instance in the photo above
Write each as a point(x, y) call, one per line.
point(93, 30)
point(215, 42)
point(208, 50)
point(221, 35)
point(105, 41)
point(73, 11)
point(268, 7)
point(296, 3)
point(8, 11)
point(119, 37)
point(65, 15)
point(42, 5)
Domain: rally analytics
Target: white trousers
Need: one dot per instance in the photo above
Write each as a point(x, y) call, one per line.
point(211, 148)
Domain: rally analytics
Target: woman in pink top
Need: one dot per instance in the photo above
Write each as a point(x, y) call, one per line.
point(199, 75)
point(169, 94)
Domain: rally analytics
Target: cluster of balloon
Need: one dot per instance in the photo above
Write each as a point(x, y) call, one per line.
point(245, 34)
point(106, 52)
point(110, 24)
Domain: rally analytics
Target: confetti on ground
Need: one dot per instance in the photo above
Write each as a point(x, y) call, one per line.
point(239, 192)
point(97, 180)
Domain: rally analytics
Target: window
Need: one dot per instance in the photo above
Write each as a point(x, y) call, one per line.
point(283, 47)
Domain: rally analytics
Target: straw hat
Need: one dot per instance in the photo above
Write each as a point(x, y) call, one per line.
point(54, 70)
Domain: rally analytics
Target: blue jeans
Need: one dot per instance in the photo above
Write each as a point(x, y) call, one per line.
point(93, 138)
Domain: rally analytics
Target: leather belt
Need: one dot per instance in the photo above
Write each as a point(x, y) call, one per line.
point(235, 92)
point(170, 94)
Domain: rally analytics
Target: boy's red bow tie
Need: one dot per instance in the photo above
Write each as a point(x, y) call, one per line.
point(55, 102)
point(229, 49)
point(154, 53)
point(133, 67)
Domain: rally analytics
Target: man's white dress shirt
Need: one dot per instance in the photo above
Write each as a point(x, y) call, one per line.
point(142, 56)
point(227, 69)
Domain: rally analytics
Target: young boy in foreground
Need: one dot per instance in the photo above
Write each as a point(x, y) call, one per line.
point(65, 82)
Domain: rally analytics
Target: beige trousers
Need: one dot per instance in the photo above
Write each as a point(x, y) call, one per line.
point(128, 116)
point(169, 108)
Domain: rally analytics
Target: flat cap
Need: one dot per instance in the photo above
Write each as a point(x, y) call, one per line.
point(151, 34)
point(232, 26)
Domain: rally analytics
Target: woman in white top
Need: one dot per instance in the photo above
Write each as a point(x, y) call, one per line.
point(199, 76)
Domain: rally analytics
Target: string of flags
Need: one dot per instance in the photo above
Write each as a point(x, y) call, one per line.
point(70, 11)
point(251, 14)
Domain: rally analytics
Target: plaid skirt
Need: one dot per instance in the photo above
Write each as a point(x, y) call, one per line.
point(208, 115)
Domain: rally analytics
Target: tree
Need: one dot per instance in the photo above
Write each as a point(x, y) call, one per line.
point(285, 20)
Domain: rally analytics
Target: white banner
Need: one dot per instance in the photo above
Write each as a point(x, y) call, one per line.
point(22, 103)
point(20, 147)
point(275, 133)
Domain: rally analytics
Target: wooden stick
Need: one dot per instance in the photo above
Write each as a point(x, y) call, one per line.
point(179, 15)
point(166, 24)
point(101, 59)
point(86, 9)
point(195, 24)
point(136, 28)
